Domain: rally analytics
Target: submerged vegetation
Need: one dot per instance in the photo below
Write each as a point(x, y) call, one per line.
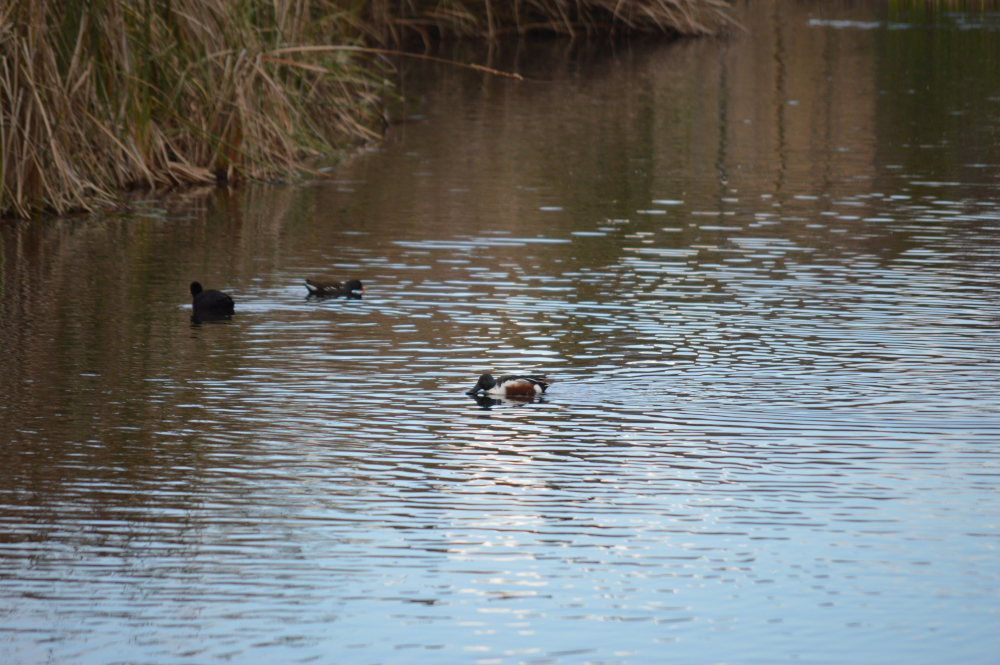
point(98, 96)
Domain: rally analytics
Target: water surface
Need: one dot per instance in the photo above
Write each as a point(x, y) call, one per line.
point(760, 271)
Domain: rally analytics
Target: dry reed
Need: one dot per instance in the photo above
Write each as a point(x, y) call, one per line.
point(98, 96)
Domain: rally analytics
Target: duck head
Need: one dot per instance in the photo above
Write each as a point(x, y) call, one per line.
point(486, 382)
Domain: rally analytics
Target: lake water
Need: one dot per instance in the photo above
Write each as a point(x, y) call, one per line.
point(761, 272)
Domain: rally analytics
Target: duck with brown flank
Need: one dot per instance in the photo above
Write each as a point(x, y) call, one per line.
point(510, 384)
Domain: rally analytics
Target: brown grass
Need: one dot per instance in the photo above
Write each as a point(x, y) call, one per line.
point(102, 95)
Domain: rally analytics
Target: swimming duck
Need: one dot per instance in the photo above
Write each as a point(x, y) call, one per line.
point(510, 384)
point(210, 301)
point(352, 288)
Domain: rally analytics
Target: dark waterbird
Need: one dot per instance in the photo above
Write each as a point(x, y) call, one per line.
point(510, 384)
point(352, 288)
point(210, 302)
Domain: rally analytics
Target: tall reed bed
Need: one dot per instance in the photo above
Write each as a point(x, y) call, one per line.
point(98, 96)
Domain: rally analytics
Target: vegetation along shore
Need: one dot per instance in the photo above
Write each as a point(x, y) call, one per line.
point(101, 96)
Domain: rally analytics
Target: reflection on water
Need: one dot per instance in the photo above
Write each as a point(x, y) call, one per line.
point(488, 402)
point(761, 273)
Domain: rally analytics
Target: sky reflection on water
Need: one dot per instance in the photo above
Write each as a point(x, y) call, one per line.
point(772, 330)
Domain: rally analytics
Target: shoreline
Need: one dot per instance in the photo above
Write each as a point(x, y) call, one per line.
point(96, 104)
